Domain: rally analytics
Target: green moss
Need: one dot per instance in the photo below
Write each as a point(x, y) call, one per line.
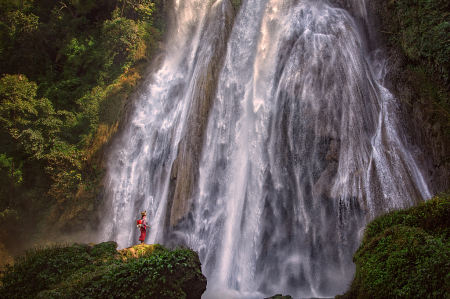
point(405, 254)
point(97, 271)
point(140, 250)
point(433, 216)
point(41, 267)
point(103, 250)
point(421, 30)
point(236, 5)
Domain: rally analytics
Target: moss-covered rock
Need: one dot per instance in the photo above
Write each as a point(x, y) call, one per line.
point(99, 271)
point(137, 251)
point(236, 5)
point(405, 254)
point(418, 48)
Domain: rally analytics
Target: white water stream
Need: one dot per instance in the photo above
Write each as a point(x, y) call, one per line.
point(302, 148)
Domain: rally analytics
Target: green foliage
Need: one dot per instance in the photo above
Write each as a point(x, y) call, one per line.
point(68, 158)
point(405, 254)
point(96, 271)
point(421, 29)
point(8, 213)
point(432, 215)
point(236, 4)
point(424, 31)
point(30, 122)
point(38, 268)
point(137, 9)
point(405, 262)
point(154, 276)
point(5, 170)
point(66, 69)
point(29, 128)
point(103, 250)
point(21, 39)
point(18, 104)
point(120, 39)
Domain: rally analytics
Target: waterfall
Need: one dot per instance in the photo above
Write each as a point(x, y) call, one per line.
point(265, 142)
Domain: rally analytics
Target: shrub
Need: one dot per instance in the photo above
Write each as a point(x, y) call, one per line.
point(405, 254)
point(98, 271)
point(41, 267)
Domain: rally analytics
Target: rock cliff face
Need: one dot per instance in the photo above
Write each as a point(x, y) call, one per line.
point(184, 174)
point(426, 128)
point(424, 123)
point(424, 120)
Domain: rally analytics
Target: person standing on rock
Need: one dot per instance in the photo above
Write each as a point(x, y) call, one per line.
point(143, 226)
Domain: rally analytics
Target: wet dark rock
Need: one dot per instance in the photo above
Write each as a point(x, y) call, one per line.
point(323, 186)
point(424, 132)
point(279, 296)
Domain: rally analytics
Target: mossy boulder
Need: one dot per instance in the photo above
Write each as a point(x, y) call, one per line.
point(405, 254)
point(99, 271)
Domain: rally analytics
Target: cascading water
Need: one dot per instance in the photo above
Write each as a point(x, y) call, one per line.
point(301, 147)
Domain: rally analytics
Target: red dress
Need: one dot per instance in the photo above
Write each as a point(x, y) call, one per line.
point(143, 229)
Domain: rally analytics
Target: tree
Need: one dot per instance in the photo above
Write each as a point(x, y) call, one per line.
point(17, 105)
point(31, 124)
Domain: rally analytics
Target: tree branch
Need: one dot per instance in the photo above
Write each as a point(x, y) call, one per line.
point(64, 5)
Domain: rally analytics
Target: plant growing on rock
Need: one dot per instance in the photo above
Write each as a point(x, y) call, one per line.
point(99, 271)
point(405, 254)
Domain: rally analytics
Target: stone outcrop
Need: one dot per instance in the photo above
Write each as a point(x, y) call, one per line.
point(137, 251)
point(100, 271)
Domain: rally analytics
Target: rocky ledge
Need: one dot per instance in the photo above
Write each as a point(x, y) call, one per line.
point(100, 271)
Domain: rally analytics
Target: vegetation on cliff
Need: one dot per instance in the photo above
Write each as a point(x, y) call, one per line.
point(66, 71)
point(99, 271)
point(236, 5)
point(421, 29)
point(405, 254)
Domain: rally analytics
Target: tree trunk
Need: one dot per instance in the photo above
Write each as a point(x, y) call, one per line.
point(12, 183)
point(12, 164)
point(123, 7)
